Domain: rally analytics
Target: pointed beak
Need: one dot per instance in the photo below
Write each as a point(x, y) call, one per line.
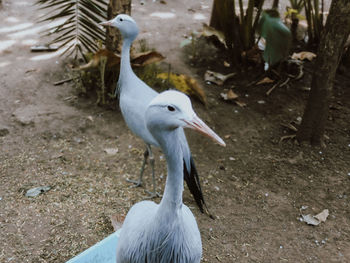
point(106, 23)
point(198, 125)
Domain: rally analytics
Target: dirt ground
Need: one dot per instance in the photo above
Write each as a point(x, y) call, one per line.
point(256, 187)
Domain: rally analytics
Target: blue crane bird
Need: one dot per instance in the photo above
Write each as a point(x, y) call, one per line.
point(168, 231)
point(134, 97)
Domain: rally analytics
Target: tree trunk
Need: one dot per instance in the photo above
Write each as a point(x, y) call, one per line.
point(113, 37)
point(275, 4)
point(329, 53)
point(294, 27)
point(221, 19)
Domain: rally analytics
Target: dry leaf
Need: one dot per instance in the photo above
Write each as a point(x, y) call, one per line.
point(111, 151)
point(304, 55)
point(322, 217)
point(185, 84)
point(209, 31)
point(265, 80)
point(112, 60)
point(146, 58)
point(317, 219)
point(310, 220)
point(240, 103)
point(139, 59)
point(216, 77)
point(230, 95)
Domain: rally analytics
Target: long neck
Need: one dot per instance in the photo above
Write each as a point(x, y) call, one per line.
point(125, 68)
point(172, 197)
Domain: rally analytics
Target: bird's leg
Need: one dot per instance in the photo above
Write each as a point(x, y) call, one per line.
point(138, 182)
point(154, 193)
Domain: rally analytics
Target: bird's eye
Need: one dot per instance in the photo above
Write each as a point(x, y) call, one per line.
point(121, 19)
point(170, 108)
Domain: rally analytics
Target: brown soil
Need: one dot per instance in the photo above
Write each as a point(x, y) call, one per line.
point(256, 186)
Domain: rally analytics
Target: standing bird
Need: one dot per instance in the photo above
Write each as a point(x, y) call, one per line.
point(134, 97)
point(165, 232)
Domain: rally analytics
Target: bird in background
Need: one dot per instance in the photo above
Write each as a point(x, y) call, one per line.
point(134, 97)
point(168, 231)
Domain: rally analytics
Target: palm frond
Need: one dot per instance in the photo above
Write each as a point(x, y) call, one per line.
point(79, 30)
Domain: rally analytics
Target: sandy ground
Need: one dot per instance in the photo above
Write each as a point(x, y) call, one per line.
point(256, 187)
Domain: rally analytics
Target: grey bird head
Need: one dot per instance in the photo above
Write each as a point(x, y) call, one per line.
point(172, 109)
point(126, 25)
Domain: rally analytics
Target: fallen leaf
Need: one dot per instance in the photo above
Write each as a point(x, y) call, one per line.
point(322, 217)
point(146, 58)
point(265, 80)
point(37, 191)
point(310, 220)
point(317, 219)
point(111, 151)
point(241, 103)
point(185, 84)
point(57, 155)
point(209, 31)
point(304, 55)
point(217, 78)
point(230, 95)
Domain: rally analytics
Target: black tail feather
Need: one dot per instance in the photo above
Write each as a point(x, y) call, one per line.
point(192, 181)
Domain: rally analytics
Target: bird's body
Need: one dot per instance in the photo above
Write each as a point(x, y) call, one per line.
point(165, 232)
point(164, 236)
point(135, 120)
point(134, 98)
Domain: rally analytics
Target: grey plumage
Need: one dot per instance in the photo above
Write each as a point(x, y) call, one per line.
point(165, 232)
point(134, 97)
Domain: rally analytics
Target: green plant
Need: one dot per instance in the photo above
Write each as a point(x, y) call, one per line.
point(77, 29)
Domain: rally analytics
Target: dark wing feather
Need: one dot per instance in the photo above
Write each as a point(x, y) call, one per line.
point(192, 180)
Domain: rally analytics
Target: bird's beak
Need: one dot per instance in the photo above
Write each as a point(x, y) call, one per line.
point(198, 125)
point(106, 23)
